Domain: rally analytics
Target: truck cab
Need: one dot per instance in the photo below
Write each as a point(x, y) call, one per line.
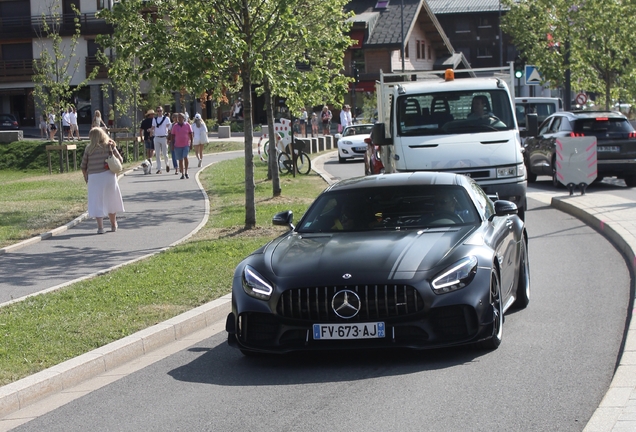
point(464, 125)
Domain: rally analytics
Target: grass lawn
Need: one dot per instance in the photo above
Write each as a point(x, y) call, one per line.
point(46, 330)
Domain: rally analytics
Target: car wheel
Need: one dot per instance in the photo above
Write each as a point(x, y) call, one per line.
point(555, 180)
point(523, 285)
point(341, 159)
point(630, 181)
point(493, 342)
point(532, 177)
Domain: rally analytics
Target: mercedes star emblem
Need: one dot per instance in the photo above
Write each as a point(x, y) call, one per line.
point(346, 304)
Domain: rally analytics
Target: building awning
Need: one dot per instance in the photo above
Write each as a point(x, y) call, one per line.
point(358, 38)
point(363, 86)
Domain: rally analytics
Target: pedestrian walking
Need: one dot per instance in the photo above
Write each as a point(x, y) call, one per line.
point(175, 164)
point(200, 132)
point(314, 125)
point(182, 137)
point(111, 116)
point(160, 126)
point(52, 127)
point(43, 128)
point(345, 118)
point(145, 129)
point(74, 125)
point(97, 120)
point(104, 195)
point(325, 117)
point(66, 123)
point(303, 121)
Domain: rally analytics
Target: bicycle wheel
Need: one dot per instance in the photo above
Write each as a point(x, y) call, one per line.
point(303, 163)
point(264, 153)
point(284, 163)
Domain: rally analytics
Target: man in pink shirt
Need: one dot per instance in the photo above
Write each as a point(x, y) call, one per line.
point(182, 136)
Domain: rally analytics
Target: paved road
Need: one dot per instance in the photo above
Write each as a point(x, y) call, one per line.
point(610, 215)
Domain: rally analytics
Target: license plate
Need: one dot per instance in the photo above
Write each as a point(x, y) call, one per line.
point(349, 331)
point(360, 149)
point(610, 149)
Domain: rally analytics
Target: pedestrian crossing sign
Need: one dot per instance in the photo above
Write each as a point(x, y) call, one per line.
point(533, 77)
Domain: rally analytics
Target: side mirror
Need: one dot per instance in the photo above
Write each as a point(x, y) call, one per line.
point(505, 208)
point(337, 136)
point(284, 219)
point(378, 135)
point(532, 124)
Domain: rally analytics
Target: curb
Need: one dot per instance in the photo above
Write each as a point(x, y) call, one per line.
point(20, 394)
point(611, 411)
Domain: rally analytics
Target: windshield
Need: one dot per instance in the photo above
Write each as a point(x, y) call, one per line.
point(357, 130)
point(390, 208)
point(454, 112)
point(542, 109)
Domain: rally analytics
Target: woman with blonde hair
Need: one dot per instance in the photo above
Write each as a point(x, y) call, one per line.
point(104, 195)
point(97, 120)
point(200, 131)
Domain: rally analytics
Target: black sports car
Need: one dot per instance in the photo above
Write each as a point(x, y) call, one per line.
point(417, 260)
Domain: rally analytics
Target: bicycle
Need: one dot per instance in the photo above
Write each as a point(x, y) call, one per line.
point(303, 161)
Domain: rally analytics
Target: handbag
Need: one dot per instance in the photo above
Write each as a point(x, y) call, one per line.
point(113, 163)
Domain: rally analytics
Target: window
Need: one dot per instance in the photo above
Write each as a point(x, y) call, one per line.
point(484, 52)
point(462, 26)
point(484, 23)
point(406, 50)
point(382, 4)
point(102, 4)
point(430, 53)
point(418, 50)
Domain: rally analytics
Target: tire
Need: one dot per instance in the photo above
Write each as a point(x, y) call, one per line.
point(523, 284)
point(555, 181)
point(493, 342)
point(532, 177)
point(630, 181)
point(303, 163)
point(341, 159)
point(265, 153)
point(284, 163)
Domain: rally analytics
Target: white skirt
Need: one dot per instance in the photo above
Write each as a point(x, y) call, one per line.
point(104, 195)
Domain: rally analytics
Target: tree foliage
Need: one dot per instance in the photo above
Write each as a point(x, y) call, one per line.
point(212, 47)
point(57, 65)
point(594, 38)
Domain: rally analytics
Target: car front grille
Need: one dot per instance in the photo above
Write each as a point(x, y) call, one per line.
point(377, 302)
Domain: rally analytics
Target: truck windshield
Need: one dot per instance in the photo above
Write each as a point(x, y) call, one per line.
point(454, 113)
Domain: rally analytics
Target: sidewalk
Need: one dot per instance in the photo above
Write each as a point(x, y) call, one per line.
point(156, 219)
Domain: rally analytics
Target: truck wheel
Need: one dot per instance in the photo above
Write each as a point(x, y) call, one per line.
point(630, 181)
point(532, 177)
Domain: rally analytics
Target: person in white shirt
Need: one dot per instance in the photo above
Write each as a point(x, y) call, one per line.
point(200, 131)
point(74, 126)
point(160, 127)
point(345, 117)
point(52, 126)
point(66, 123)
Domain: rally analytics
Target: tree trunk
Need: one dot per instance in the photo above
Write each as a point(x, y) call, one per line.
point(250, 204)
point(272, 166)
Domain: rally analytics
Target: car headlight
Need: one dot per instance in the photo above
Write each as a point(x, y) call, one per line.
point(505, 172)
point(456, 277)
point(346, 142)
point(256, 285)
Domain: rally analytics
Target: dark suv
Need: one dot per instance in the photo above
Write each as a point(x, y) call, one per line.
point(8, 122)
point(615, 140)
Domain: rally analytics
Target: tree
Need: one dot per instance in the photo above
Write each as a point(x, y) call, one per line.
point(222, 46)
point(57, 64)
point(593, 39)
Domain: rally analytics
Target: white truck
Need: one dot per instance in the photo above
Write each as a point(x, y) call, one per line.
point(434, 123)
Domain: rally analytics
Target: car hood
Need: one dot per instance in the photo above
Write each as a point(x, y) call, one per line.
point(355, 138)
point(376, 254)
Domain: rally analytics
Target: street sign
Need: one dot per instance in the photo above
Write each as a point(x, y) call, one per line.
point(533, 77)
point(581, 98)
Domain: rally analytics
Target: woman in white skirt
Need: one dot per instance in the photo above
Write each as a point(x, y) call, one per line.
point(200, 137)
point(104, 196)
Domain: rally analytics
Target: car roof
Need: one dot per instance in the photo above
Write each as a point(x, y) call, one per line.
point(574, 115)
point(401, 179)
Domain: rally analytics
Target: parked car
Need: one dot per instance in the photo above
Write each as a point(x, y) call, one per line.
point(351, 143)
point(412, 260)
point(8, 122)
point(616, 143)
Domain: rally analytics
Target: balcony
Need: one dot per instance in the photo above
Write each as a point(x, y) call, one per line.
point(91, 62)
point(31, 26)
point(12, 71)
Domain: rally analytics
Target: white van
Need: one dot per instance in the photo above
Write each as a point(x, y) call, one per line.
point(431, 125)
point(542, 106)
